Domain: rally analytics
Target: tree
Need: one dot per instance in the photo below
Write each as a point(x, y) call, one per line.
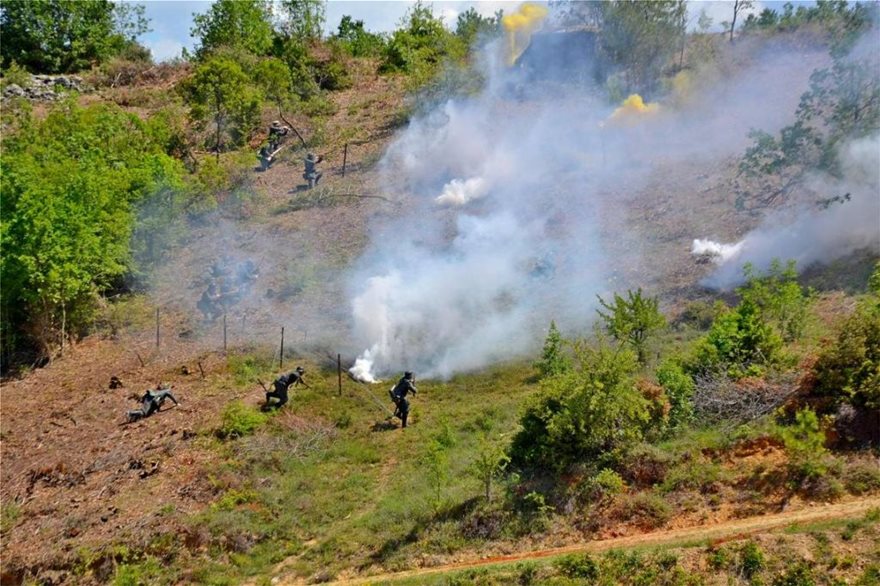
point(359, 42)
point(52, 36)
point(71, 186)
point(302, 20)
point(842, 104)
point(633, 319)
point(593, 413)
point(471, 25)
point(489, 464)
point(553, 359)
point(739, 6)
point(778, 296)
point(236, 24)
point(420, 44)
point(638, 37)
point(220, 91)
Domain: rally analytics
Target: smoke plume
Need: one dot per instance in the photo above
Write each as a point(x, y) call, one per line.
point(514, 204)
point(817, 234)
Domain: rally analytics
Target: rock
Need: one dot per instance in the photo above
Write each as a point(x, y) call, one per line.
point(13, 90)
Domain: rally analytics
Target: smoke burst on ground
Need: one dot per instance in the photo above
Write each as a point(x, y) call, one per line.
point(506, 194)
point(811, 234)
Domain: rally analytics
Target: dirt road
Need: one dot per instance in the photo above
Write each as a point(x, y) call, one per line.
point(730, 529)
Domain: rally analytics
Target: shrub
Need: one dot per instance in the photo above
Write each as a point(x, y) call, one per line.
point(580, 566)
point(553, 359)
point(646, 510)
point(739, 343)
point(679, 388)
point(15, 74)
point(861, 478)
point(607, 483)
point(632, 320)
point(646, 465)
point(751, 559)
point(805, 443)
point(591, 414)
point(239, 420)
point(779, 298)
point(849, 369)
point(798, 575)
point(355, 39)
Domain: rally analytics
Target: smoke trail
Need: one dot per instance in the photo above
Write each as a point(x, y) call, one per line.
point(518, 28)
point(818, 235)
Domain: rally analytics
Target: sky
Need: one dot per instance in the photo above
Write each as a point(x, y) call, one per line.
point(171, 20)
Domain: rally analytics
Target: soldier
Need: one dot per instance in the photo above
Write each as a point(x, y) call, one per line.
point(312, 175)
point(209, 302)
point(398, 395)
point(265, 158)
point(277, 132)
point(282, 383)
point(151, 402)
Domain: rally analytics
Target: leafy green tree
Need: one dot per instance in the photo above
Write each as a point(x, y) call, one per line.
point(739, 343)
point(435, 464)
point(679, 388)
point(842, 104)
point(593, 413)
point(420, 44)
point(471, 26)
point(52, 36)
point(220, 92)
point(638, 37)
point(633, 319)
point(849, 369)
point(302, 20)
point(489, 464)
point(236, 24)
point(739, 7)
point(805, 443)
point(553, 359)
point(780, 299)
point(355, 39)
point(71, 187)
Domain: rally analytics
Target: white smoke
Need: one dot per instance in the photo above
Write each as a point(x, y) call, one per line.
point(452, 287)
point(458, 192)
point(815, 234)
point(718, 252)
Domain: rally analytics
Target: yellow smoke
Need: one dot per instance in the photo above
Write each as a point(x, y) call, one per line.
point(633, 109)
point(519, 26)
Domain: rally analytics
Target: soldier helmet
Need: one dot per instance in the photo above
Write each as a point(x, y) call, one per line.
point(408, 375)
point(311, 156)
point(300, 369)
point(276, 123)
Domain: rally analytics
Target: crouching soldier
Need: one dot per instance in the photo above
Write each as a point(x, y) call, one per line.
point(398, 395)
point(311, 174)
point(282, 384)
point(151, 402)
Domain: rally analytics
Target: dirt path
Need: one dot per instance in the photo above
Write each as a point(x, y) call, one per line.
point(727, 530)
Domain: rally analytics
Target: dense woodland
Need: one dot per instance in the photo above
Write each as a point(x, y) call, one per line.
point(614, 425)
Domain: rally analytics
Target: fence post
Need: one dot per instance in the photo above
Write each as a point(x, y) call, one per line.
point(224, 333)
point(281, 354)
point(157, 327)
point(344, 158)
point(339, 372)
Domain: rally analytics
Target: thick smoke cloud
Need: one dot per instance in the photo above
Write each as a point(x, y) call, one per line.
point(507, 193)
point(810, 234)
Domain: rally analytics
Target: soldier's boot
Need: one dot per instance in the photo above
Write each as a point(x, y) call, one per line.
point(403, 417)
point(312, 182)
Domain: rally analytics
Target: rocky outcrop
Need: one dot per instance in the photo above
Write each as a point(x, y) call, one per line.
point(46, 88)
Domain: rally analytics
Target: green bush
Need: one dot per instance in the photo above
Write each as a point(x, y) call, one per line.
point(553, 358)
point(356, 40)
point(849, 370)
point(632, 320)
point(679, 388)
point(801, 574)
point(805, 443)
point(15, 74)
point(239, 420)
point(578, 565)
point(781, 301)
point(592, 414)
point(862, 478)
point(751, 559)
point(739, 344)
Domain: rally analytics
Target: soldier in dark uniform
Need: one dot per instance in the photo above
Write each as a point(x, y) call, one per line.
point(151, 402)
point(209, 304)
point(277, 132)
point(398, 395)
point(282, 384)
point(312, 175)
